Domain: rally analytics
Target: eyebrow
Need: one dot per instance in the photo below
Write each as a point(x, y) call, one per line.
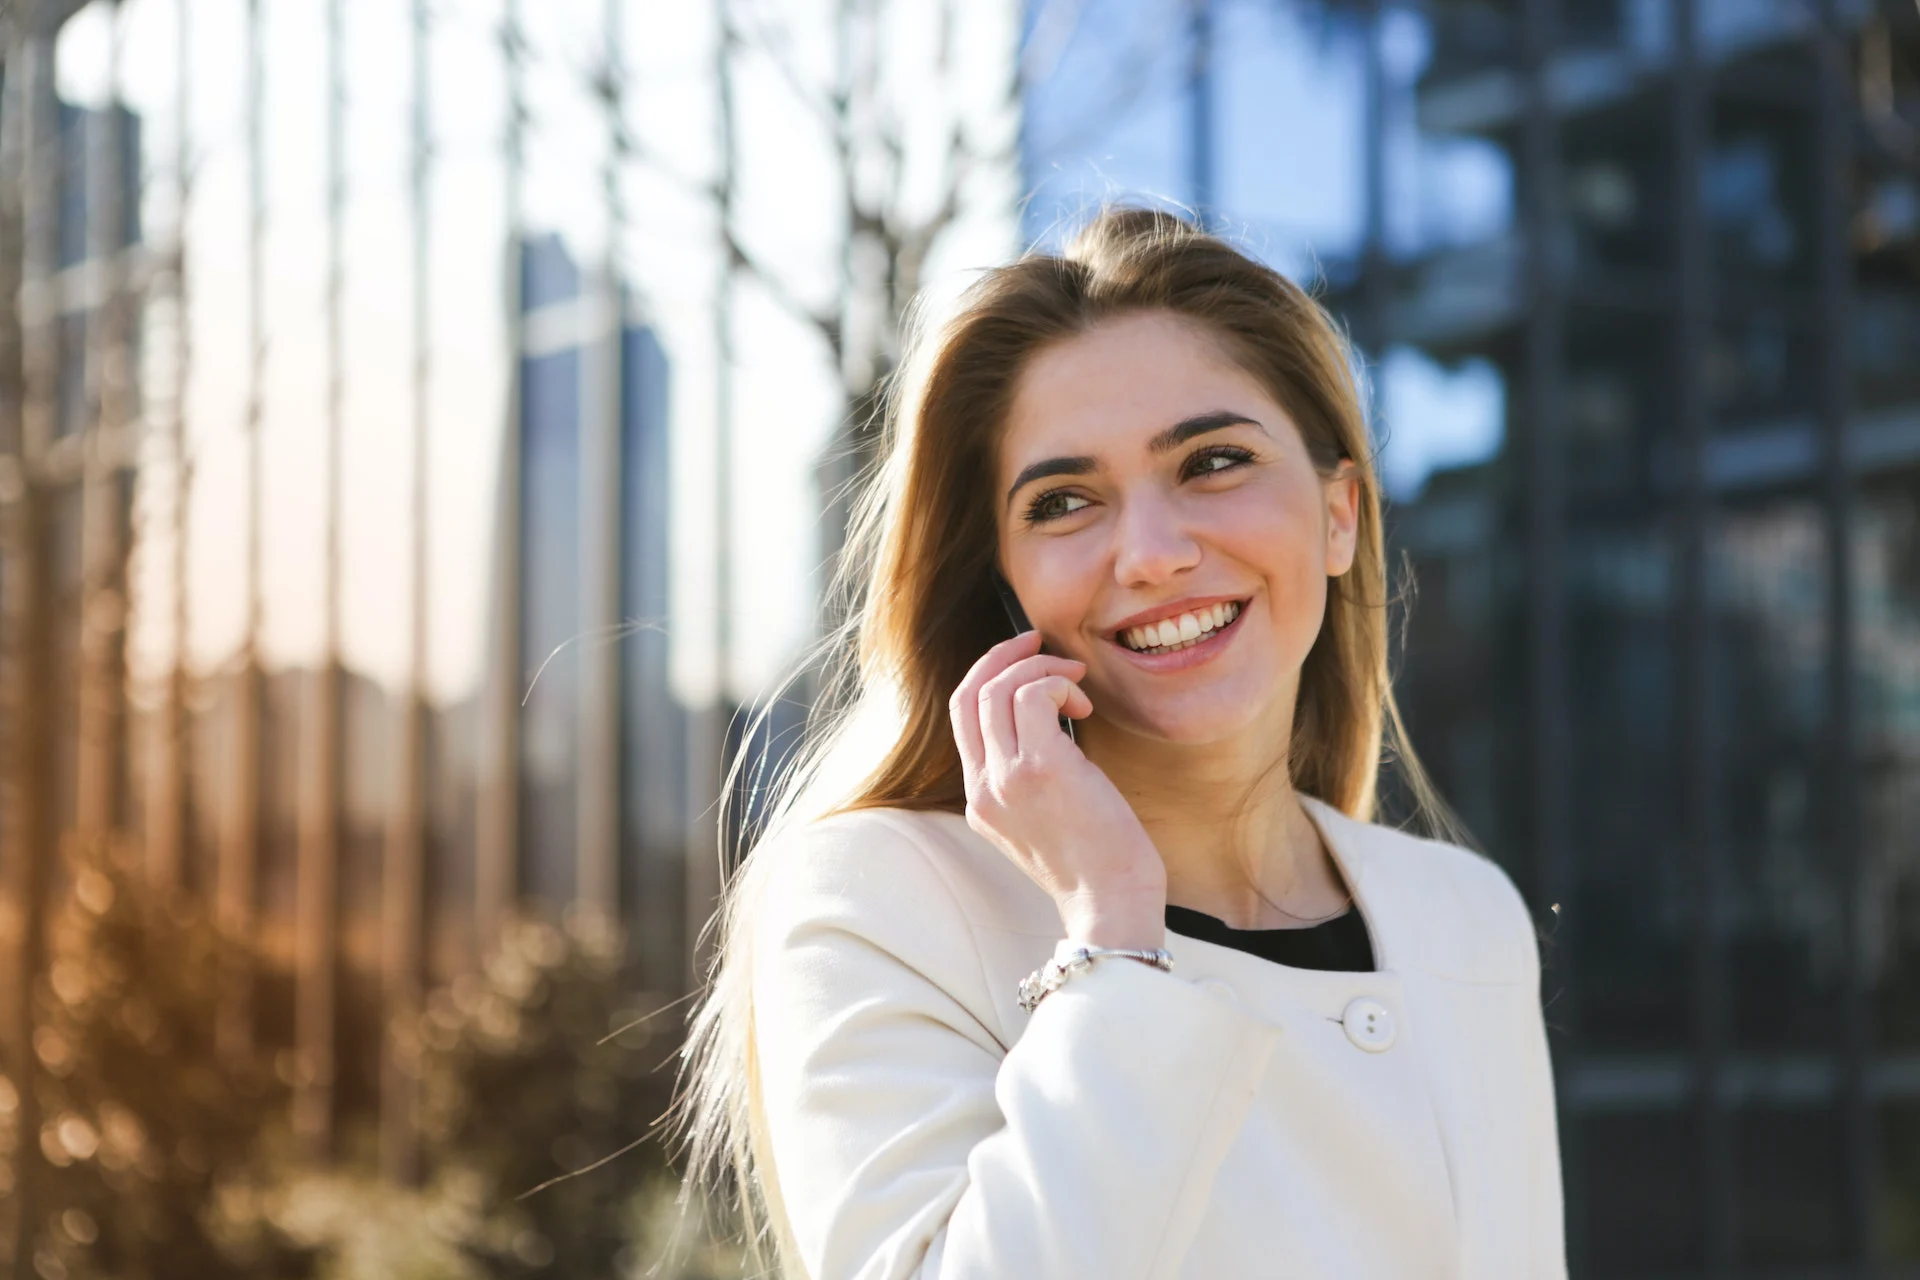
point(1167, 441)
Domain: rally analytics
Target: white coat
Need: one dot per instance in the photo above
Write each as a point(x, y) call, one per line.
point(1232, 1118)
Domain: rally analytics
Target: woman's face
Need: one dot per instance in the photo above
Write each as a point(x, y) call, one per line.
point(1161, 521)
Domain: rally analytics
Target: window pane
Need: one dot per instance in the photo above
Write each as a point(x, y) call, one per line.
point(1787, 1180)
point(1899, 1130)
point(1642, 1178)
point(1630, 914)
point(1769, 595)
point(1886, 578)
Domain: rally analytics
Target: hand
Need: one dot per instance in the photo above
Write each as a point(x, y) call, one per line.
point(1046, 806)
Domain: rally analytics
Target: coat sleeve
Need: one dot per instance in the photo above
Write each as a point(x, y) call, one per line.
point(908, 1141)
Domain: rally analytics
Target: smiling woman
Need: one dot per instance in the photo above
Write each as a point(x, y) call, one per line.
point(1257, 1032)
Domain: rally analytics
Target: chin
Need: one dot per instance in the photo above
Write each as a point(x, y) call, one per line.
point(1199, 717)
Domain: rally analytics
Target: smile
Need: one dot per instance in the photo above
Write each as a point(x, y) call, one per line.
point(1182, 631)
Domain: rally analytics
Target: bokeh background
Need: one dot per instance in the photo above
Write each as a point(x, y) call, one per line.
point(424, 434)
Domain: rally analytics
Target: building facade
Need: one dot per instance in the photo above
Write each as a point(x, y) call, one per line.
point(596, 736)
point(1664, 657)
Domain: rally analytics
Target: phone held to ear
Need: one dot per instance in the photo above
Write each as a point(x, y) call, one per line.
point(1018, 617)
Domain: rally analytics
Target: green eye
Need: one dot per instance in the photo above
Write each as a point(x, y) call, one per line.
point(1056, 504)
point(1228, 457)
point(1051, 505)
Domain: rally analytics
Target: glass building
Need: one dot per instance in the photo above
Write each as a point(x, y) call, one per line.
point(1639, 283)
point(581, 699)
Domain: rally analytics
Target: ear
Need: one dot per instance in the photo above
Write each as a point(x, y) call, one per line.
point(1342, 490)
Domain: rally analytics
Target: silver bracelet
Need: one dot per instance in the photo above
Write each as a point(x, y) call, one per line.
point(1066, 962)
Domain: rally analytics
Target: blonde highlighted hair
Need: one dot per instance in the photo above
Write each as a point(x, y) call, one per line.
point(916, 605)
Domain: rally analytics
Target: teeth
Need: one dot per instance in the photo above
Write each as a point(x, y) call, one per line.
point(1170, 635)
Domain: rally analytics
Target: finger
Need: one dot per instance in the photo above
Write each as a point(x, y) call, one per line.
point(1036, 712)
point(992, 663)
point(1027, 670)
point(1007, 670)
point(963, 707)
point(1078, 706)
point(996, 701)
point(998, 738)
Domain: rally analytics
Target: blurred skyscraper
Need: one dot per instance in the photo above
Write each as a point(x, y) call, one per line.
point(571, 570)
point(1665, 657)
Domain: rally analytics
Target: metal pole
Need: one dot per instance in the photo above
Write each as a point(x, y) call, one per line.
point(497, 842)
point(1544, 512)
point(101, 773)
point(1833, 118)
point(166, 825)
point(29, 344)
point(596, 873)
point(707, 726)
point(1690, 106)
point(316, 995)
point(404, 889)
point(1200, 138)
point(1373, 283)
point(240, 852)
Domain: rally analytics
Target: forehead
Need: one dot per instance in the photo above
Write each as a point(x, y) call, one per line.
point(1118, 384)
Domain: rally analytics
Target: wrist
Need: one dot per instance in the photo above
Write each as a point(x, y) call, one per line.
point(1134, 923)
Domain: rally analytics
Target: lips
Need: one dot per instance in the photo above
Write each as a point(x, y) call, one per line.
point(1184, 654)
point(1174, 609)
point(1181, 630)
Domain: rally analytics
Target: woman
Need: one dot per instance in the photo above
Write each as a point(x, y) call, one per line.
point(1301, 1044)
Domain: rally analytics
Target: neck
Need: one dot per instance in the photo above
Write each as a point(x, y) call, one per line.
point(1228, 825)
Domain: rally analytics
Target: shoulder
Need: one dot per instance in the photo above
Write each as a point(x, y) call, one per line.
point(894, 906)
point(919, 886)
point(854, 869)
point(903, 864)
point(1456, 910)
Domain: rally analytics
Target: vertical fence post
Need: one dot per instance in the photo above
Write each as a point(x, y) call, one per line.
point(101, 776)
point(29, 208)
point(166, 823)
point(241, 832)
point(707, 725)
point(596, 875)
point(317, 879)
point(404, 887)
point(497, 840)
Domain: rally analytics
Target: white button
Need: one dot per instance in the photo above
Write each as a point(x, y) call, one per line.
point(1369, 1024)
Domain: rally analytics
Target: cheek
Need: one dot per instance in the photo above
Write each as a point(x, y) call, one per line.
point(1061, 587)
point(1280, 538)
point(1275, 531)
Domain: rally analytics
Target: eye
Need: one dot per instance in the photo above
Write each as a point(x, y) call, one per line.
point(1217, 458)
point(1052, 505)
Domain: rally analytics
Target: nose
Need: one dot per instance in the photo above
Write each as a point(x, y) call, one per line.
point(1150, 544)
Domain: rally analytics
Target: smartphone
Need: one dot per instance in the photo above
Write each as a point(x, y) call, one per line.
point(1018, 617)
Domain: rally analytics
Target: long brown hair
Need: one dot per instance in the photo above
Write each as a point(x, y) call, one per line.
point(916, 605)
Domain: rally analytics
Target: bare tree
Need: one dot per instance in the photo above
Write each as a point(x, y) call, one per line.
point(890, 225)
point(892, 220)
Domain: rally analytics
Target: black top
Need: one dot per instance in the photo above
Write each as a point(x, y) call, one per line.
point(1340, 943)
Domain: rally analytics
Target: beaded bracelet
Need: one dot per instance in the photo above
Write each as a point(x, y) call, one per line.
point(1066, 962)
